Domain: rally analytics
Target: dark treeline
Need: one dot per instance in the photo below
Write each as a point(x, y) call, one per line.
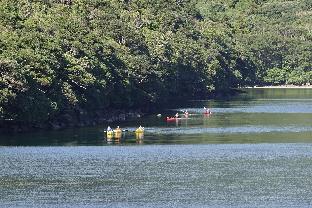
point(83, 55)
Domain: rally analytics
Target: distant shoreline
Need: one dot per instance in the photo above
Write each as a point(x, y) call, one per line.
point(282, 87)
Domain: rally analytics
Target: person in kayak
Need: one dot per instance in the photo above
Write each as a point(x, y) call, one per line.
point(118, 129)
point(207, 110)
point(140, 129)
point(109, 129)
point(186, 114)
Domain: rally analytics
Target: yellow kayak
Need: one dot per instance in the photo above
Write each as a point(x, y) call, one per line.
point(110, 133)
point(139, 131)
point(117, 131)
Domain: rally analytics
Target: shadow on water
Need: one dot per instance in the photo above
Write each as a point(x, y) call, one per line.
point(260, 115)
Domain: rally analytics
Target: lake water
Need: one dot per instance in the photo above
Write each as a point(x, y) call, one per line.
point(253, 151)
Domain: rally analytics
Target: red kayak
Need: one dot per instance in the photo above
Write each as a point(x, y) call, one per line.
point(171, 119)
point(168, 119)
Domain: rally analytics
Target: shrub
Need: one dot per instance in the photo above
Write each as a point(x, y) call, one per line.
point(276, 76)
point(297, 77)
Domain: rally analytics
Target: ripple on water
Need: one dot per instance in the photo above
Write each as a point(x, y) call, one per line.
point(259, 106)
point(230, 130)
point(234, 175)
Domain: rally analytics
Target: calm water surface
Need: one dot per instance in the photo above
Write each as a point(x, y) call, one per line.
point(253, 151)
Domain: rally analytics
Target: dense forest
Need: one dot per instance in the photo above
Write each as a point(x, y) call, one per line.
point(61, 56)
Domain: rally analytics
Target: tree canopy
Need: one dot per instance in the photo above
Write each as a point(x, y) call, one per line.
point(60, 55)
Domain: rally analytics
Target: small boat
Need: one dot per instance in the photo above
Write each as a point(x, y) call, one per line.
point(117, 131)
point(186, 113)
point(168, 119)
point(110, 133)
point(207, 111)
point(139, 130)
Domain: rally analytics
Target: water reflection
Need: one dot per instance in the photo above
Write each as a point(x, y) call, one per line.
point(139, 137)
point(232, 175)
point(179, 122)
point(117, 140)
point(253, 117)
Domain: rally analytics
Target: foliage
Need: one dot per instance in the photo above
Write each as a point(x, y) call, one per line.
point(276, 76)
point(298, 77)
point(67, 55)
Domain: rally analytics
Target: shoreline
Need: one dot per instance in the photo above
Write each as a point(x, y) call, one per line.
point(282, 87)
point(73, 119)
point(81, 118)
